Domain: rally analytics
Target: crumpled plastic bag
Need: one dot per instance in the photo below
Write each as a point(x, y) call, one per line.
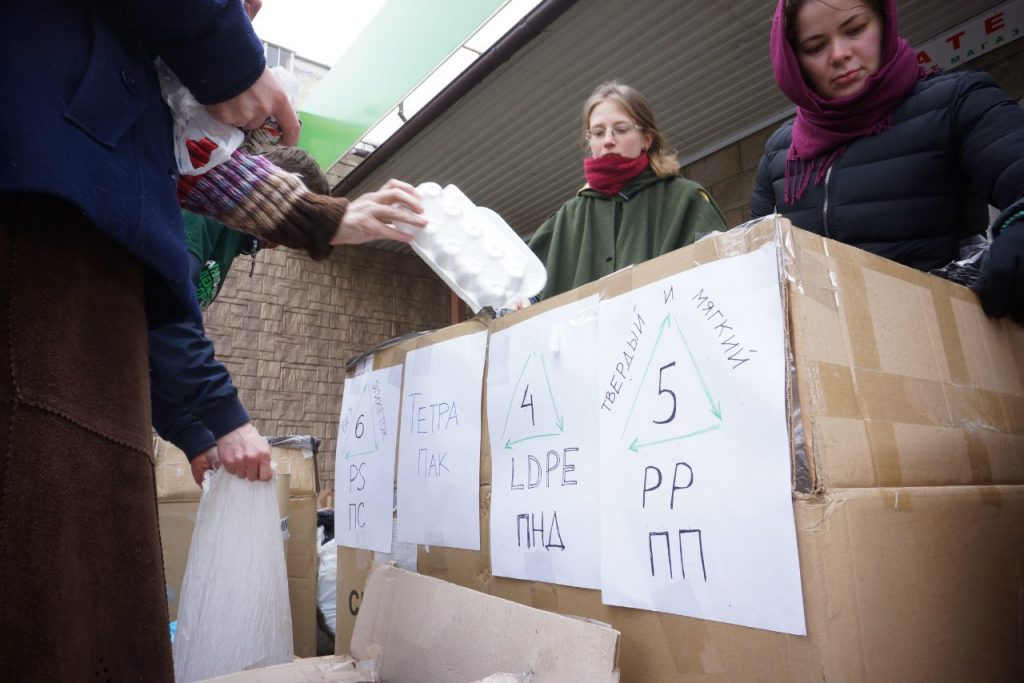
point(969, 270)
point(268, 136)
point(327, 580)
point(234, 612)
point(193, 122)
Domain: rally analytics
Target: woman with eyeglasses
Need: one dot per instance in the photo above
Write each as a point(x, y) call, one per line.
point(887, 156)
point(635, 205)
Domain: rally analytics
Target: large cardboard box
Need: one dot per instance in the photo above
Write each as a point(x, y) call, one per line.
point(416, 629)
point(354, 565)
point(907, 426)
point(177, 505)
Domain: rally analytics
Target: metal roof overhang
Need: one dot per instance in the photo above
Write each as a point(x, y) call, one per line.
point(507, 132)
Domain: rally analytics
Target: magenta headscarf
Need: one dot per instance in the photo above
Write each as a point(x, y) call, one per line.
point(824, 128)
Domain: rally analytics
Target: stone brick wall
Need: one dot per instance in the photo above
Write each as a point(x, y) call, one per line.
point(729, 173)
point(286, 332)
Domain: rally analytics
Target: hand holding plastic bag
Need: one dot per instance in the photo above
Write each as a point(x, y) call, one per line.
point(193, 122)
point(275, 90)
point(234, 612)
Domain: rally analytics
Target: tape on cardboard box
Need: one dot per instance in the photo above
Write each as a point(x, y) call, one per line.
point(977, 456)
point(173, 473)
point(859, 328)
point(302, 550)
point(994, 355)
point(867, 283)
point(949, 333)
point(885, 454)
point(1013, 409)
point(884, 395)
point(926, 455)
point(300, 464)
point(931, 422)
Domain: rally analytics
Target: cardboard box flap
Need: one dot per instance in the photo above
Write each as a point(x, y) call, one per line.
point(423, 630)
point(330, 668)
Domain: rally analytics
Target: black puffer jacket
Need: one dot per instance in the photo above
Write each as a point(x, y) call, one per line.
point(912, 192)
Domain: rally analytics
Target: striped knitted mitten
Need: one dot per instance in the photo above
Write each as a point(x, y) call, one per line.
point(251, 194)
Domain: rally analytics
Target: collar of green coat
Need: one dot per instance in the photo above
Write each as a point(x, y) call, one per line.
point(646, 178)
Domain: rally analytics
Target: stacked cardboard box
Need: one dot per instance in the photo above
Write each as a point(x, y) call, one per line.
point(907, 425)
point(178, 502)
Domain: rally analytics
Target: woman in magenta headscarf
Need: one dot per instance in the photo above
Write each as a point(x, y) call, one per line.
point(889, 157)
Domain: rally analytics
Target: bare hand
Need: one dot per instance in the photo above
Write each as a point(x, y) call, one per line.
point(201, 463)
point(371, 216)
point(251, 109)
point(252, 7)
point(245, 453)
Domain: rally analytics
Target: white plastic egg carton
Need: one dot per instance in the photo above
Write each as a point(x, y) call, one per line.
point(474, 250)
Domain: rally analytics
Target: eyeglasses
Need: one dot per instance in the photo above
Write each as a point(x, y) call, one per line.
point(618, 131)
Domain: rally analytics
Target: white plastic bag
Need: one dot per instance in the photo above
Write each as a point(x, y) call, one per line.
point(234, 612)
point(268, 136)
point(327, 581)
point(193, 122)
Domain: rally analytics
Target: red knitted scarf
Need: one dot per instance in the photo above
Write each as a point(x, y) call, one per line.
point(608, 174)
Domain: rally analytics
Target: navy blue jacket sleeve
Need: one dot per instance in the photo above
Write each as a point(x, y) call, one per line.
point(989, 129)
point(192, 389)
point(174, 423)
point(209, 44)
point(762, 201)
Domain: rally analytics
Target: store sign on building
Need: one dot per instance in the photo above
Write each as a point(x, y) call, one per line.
point(985, 32)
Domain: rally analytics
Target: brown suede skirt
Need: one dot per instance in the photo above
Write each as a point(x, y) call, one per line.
point(82, 593)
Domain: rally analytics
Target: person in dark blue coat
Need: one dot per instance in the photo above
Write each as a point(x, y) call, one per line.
point(91, 252)
point(888, 157)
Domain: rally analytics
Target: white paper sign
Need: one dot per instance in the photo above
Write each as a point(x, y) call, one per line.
point(439, 447)
point(403, 555)
point(545, 468)
point(981, 34)
point(697, 515)
point(364, 463)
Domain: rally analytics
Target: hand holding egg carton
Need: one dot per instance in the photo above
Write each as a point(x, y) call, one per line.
point(474, 250)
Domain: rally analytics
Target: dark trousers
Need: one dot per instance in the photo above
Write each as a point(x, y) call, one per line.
point(82, 594)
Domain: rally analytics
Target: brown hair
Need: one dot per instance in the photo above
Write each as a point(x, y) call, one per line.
point(792, 8)
point(300, 162)
point(663, 160)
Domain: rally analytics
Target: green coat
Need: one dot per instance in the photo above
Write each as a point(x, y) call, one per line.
point(593, 235)
point(216, 246)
